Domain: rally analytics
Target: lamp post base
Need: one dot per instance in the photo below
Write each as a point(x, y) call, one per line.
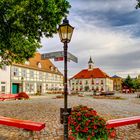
point(65, 116)
point(62, 114)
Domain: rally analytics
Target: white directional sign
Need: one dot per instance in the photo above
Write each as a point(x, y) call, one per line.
point(72, 57)
point(57, 56)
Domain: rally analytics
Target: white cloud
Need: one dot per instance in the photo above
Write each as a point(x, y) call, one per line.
point(103, 43)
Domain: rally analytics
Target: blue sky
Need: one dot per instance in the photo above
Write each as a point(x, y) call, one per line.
point(106, 30)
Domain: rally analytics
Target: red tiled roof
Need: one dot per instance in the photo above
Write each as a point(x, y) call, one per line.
point(95, 73)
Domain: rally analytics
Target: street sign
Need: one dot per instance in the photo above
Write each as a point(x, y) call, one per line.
point(59, 56)
point(72, 57)
point(59, 59)
point(52, 55)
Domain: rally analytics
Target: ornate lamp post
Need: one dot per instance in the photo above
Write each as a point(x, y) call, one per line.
point(65, 32)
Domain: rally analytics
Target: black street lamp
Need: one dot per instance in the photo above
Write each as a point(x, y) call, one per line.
point(65, 32)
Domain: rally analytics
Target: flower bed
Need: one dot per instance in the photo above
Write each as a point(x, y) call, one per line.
point(86, 124)
point(23, 95)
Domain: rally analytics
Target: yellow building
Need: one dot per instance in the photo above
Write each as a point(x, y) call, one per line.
point(117, 83)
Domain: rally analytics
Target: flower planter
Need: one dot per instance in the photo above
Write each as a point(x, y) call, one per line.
point(86, 124)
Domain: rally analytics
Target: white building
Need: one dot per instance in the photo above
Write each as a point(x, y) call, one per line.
point(35, 76)
point(5, 79)
point(91, 79)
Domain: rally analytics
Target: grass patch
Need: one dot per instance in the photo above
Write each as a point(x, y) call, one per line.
point(109, 97)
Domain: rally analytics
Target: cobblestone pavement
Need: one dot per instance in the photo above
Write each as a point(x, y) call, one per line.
point(46, 109)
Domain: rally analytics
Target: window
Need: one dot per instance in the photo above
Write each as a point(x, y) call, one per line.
point(29, 87)
point(102, 89)
point(2, 88)
point(47, 75)
point(40, 76)
point(55, 77)
point(97, 82)
point(97, 88)
point(102, 82)
point(32, 74)
point(92, 82)
point(3, 82)
point(46, 86)
point(15, 71)
point(23, 73)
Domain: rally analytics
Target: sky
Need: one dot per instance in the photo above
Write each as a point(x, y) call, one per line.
point(106, 30)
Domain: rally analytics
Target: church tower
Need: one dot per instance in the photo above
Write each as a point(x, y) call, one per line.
point(90, 64)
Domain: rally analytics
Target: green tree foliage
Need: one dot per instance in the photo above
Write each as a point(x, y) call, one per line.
point(132, 83)
point(128, 82)
point(23, 23)
point(136, 83)
point(138, 4)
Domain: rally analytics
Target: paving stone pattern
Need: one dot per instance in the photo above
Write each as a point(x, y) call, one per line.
point(47, 109)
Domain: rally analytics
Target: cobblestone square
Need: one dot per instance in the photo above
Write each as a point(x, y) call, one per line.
point(47, 109)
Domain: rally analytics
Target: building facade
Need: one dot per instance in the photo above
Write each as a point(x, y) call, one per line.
point(35, 76)
point(5, 79)
point(91, 79)
point(117, 83)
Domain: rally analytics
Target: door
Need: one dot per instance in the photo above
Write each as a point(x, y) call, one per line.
point(39, 88)
point(15, 88)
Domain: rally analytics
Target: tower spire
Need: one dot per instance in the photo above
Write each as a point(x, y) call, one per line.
point(90, 64)
point(90, 60)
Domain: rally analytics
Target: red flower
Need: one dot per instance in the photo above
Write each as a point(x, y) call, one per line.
point(78, 114)
point(74, 123)
point(77, 128)
point(95, 127)
point(93, 134)
point(79, 119)
point(85, 129)
point(113, 134)
point(71, 138)
point(87, 122)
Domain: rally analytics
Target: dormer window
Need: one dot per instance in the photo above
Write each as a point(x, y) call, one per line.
point(51, 68)
point(56, 69)
point(39, 65)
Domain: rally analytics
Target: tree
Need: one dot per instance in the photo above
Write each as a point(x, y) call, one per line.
point(128, 82)
point(23, 23)
point(138, 4)
point(132, 83)
point(136, 84)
